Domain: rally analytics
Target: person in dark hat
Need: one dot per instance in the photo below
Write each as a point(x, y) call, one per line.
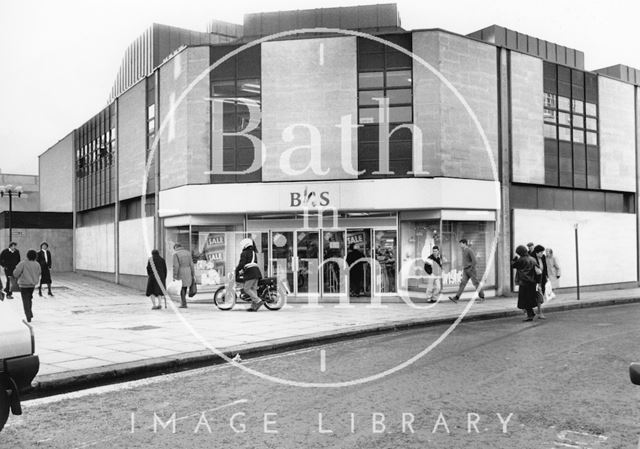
point(526, 274)
point(44, 259)
point(542, 274)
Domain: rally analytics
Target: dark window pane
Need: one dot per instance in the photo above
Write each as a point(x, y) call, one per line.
point(371, 61)
point(400, 114)
point(249, 62)
point(397, 60)
point(402, 40)
point(371, 80)
point(249, 88)
point(399, 96)
point(400, 78)
point(591, 88)
point(367, 97)
point(369, 46)
point(368, 115)
point(368, 133)
point(223, 89)
point(579, 159)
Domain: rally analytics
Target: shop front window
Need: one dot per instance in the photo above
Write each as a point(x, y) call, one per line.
point(215, 251)
point(480, 235)
point(386, 244)
point(419, 238)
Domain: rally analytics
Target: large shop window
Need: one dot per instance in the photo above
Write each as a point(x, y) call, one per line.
point(571, 152)
point(384, 73)
point(215, 251)
point(418, 239)
point(236, 95)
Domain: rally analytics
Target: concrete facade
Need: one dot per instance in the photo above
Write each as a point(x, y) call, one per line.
point(95, 248)
point(527, 107)
point(133, 250)
point(617, 135)
point(53, 166)
point(60, 244)
point(612, 260)
point(185, 157)
point(452, 143)
point(308, 82)
point(132, 141)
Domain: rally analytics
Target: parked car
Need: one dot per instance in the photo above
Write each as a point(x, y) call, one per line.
point(634, 373)
point(18, 363)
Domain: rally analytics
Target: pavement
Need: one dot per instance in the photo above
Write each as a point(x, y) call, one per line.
point(92, 332)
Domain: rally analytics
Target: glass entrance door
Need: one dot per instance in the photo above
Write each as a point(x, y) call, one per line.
point(307, 262)
point(359, 261)
point(386, 244)
point(333, 266)
point(282, 257)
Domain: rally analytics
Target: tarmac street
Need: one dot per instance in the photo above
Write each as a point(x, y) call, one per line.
point(93, 331)
point(500, 383)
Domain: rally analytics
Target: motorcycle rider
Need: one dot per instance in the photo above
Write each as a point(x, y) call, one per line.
point(250, 270)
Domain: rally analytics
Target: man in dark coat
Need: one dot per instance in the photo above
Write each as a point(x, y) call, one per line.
point(250, 270)
point(356, 270)
point(526, 266)
point(9, 258)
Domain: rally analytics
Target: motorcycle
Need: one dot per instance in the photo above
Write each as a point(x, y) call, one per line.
point(274, 297)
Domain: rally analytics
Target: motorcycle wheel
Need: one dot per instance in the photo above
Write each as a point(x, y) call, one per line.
point(223, 299)
point(4, 406)
point(274, 298)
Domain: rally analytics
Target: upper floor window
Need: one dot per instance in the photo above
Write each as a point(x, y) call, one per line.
point(571, 127)
point(385, 94)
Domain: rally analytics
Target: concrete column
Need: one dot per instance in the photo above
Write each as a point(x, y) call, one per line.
point(503, 253)
point(116, 214)
point(637, 205)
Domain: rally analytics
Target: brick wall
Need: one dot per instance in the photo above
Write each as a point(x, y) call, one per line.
point(527, 107)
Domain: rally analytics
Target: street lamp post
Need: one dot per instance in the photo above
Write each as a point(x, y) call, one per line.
point(10, 191)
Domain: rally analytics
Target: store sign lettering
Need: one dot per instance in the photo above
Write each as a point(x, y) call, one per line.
point(309, 198)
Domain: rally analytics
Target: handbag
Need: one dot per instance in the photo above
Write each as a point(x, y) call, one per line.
point(193, 289)
point(539, 297)
point(14, 287)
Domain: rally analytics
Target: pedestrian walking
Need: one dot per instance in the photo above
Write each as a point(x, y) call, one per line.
point(183, 270)
point(541, 277)
point(553, 268)
point(44, 259)
point(156, 281)
point(27, 273)
point(468, 271)
point(9, 259)
point(526, 275)
point(433, 267)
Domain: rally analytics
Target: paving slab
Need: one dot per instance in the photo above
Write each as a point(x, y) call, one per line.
point(94, 331)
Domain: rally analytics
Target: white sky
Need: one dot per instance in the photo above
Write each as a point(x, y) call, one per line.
point(59, 58)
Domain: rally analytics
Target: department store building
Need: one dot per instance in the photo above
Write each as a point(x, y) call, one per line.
point(318, 142)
